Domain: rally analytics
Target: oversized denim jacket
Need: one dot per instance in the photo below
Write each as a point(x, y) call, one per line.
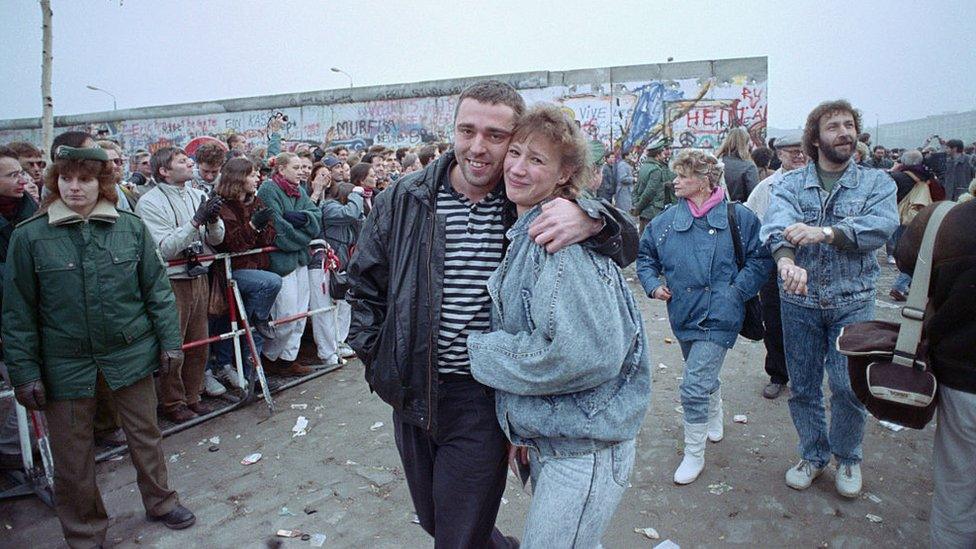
point(862, 205)
point(567, 355)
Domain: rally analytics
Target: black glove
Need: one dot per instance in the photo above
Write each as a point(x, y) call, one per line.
point(214, 203)
point(200, 216)
point(31, 395)
point(261, 217)
point(170, 360)
point(297, 219)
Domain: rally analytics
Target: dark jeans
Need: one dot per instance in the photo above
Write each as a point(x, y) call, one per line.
point(457, 477)
point(773, 340)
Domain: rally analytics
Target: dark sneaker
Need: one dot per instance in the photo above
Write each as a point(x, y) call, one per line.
point(181, 414)
point(200, 408)
point(177, 519)
point(773, 390)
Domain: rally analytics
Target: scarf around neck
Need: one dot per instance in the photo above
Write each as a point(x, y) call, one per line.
point(717, 195)
point(290, 189)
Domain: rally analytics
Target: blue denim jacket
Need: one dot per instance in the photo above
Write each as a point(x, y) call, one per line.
point(568, 357)
point(697, 259)
point(862, 206)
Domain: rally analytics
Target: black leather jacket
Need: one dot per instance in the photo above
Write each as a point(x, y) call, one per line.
point(396, 280)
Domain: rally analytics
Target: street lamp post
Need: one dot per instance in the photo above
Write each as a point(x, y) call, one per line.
point(337, 69)
point(115, 105)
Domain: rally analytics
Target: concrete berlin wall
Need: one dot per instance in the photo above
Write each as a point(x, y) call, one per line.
point(695, 103)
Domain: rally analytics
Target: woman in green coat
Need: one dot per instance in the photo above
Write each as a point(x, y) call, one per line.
point(86, 302)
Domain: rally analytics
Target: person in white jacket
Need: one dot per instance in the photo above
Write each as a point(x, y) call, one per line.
point(185, 223)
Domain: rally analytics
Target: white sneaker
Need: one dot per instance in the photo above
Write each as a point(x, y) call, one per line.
point(802, 475)
point(211, 386)
point(848, 480)
point(345, 351)
point(228, 374)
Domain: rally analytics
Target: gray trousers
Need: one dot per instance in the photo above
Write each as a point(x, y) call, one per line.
point(953, 522)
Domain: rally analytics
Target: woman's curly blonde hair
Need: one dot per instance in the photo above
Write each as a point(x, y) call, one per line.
point(691, 162)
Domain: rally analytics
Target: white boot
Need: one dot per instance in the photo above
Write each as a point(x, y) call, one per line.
point(716, 431)
point(694, 460)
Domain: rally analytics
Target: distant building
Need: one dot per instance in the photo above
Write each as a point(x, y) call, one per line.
point(912, 133)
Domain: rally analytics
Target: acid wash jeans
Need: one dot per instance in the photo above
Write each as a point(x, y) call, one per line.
point(808, 338)
point(558, 517)
point(703, 362)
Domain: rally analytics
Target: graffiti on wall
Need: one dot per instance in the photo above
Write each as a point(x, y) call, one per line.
point(628, 115)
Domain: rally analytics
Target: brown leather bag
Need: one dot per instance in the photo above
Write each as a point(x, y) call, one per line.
point(888, 362)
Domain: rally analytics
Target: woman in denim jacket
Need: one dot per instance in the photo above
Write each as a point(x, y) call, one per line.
point(690, 244)
point(569, 360)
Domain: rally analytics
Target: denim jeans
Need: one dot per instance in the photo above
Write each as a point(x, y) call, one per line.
point(808, 336)
point(258, 292)
point(953, 522)
point(902, 283)
point(574, 498)
point(703, 361)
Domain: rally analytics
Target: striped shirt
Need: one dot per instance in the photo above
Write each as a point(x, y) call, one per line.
point(473, 249)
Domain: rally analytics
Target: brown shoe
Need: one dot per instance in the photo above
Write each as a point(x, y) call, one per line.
point(181, 414)
point(293, 369)
point(200, 409)
point(897, 296)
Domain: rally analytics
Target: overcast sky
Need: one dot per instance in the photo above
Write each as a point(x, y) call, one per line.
point(895, 60)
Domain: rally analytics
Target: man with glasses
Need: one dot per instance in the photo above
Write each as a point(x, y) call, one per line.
point(15, 206)
point(31, 161)
point(791, 156)
point(140, 180)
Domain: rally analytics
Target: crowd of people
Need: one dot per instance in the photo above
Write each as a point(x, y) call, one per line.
point(480, 282)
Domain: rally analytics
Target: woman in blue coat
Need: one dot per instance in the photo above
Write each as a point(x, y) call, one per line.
point(690, 245)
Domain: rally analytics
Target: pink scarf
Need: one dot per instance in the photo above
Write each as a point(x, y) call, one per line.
point(717, 195)
point(289, 188)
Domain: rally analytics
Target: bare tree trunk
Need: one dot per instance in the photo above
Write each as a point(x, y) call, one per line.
point(47, 102)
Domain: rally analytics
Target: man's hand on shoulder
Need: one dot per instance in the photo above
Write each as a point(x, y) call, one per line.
point(562, 223)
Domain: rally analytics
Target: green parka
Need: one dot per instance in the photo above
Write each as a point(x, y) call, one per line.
point(82, 297)
point(292, 241)
point(653, 191)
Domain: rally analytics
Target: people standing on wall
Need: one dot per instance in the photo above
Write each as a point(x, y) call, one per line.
point(706, 291)
point(790, 153)
point(824, 226)
point(741, 174)
point(297, 221)
point(112, 334)
point(654, 190)
point(435, 238)
point(185, 224)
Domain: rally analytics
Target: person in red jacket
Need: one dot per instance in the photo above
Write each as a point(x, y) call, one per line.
point(247, 225)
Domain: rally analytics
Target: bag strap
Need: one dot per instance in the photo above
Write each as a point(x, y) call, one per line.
point(913, 313)
point(740, 259)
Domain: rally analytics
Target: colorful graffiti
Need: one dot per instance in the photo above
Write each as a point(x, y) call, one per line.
point(628, 115)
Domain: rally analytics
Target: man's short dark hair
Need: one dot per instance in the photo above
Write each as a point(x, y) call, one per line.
point(69, 139)
point(443, 146)
point(401, 152)
point(955, 144)
point(335, 150)
point(876, 147)
point(493, 92)
point(811, 132)
point(163, 158)
point(426, 154)
point(210, 154)
point(7, 152)
point(234, 137)
point(368, 159)
point(24, 149)
point(379, 149)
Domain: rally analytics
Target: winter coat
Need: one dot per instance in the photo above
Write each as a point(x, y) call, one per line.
point(292, 241)
point(239, 236)
point(167, 210)
point(697, 259)
point(83, 297)
point(396, 280)
point(567, 353)
point(654, 189)
point(27, 208)
point(340, 225)
point(741, 177)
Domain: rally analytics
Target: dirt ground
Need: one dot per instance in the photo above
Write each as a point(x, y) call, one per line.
point(343, 479)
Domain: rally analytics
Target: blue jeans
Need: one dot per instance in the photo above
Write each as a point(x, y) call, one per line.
point(258, 291)
point(574, 497)
point(703, 361)
point(808, 336)
point(902, 283)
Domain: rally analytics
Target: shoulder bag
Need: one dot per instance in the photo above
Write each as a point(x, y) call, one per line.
point(752, 324)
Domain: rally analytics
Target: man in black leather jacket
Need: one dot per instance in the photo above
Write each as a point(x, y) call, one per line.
point(428, 244)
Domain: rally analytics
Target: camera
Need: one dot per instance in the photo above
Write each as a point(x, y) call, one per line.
point(278, 114)
point(193, 266)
